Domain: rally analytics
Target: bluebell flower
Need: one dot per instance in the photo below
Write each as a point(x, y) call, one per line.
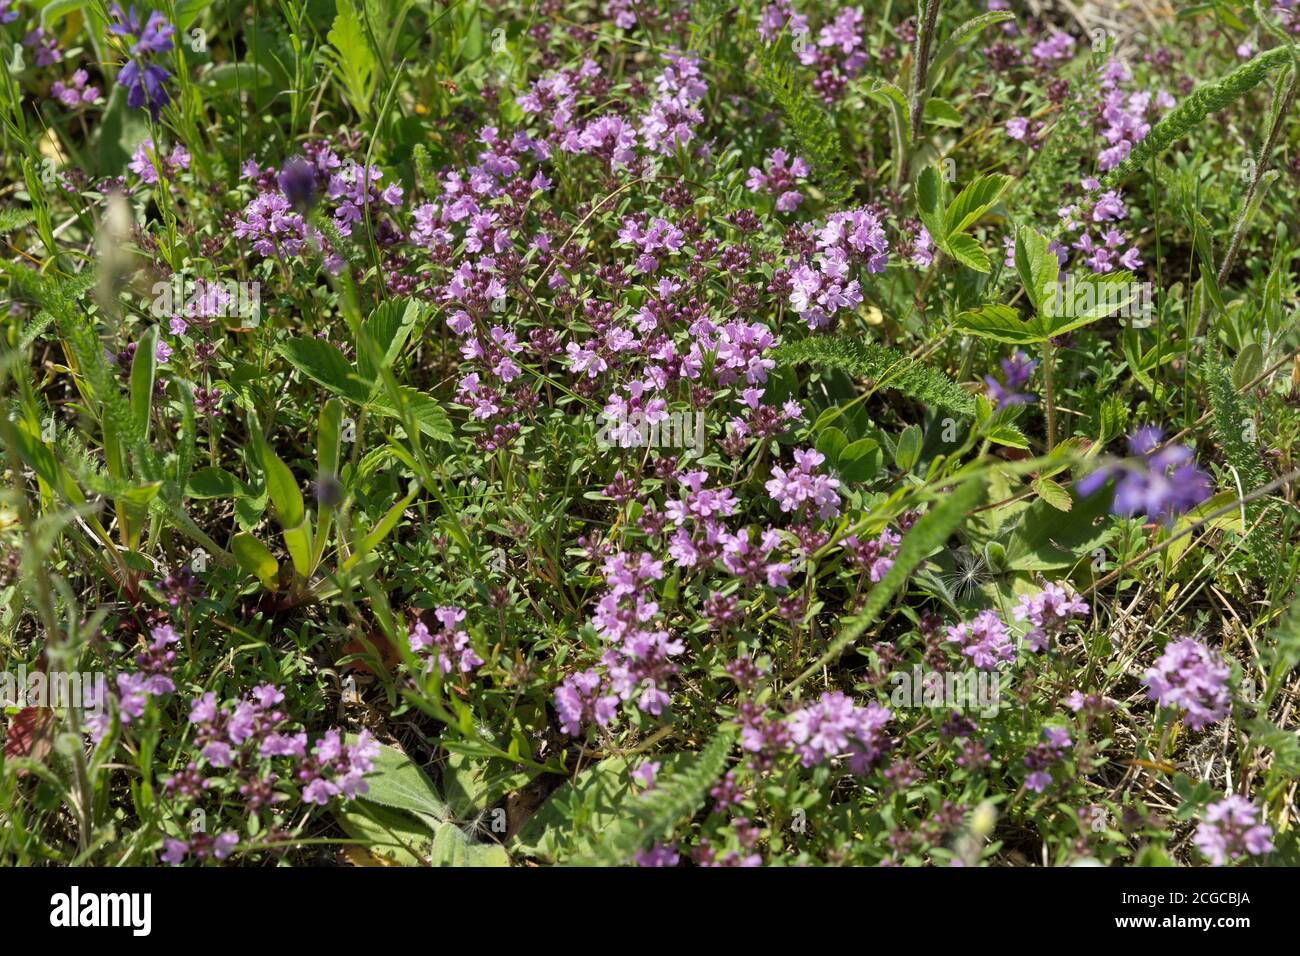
point(1015, 375)
point(145, 82)
point(1160, 483)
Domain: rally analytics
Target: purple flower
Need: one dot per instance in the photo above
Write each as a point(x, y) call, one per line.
point(46, 47)
point(1043, 755)
point(801, 486)
point(779, 179)
point(579, 701)
point(1049, 612)
point(1231, 830)
point(658, 855)
point(876, 556)
point(144, 81)
point(645, 774)
point(297, 180)
point(1015, 375)
point(448, 647)
point(1160, 483)
point(1192, 678)
point(8, 13)
point(833, 725)
point(984, 640)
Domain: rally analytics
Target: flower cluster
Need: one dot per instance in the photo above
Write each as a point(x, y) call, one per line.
point(1043, 755)
point(984, 639)
point(1126, 118)
point(835, 725)
point(802, 486)
point(779, 179)
point(75, 93)
point(1230, 830)
point(448, 647)
point(144, 80)
point(1159, 482)
point(153, 679)
point(823, 283)
point(1192, 678)
point(1049, 613)
point(876, 557)
point(147, 161)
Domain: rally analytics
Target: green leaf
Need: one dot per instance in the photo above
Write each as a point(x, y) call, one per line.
point(890, 96)
point(959, 36)
point(388, 833)
point(213, 482)
point(236, 78)
point(1045, 539)
point(886, 367)
point(969, 253)
point(908, 450)
point(1053, 493)
point(397, 781)
point(939, 112)
point(860, 461)
point(973, 202)
point(387, 328)
point(999, 322)
point(381, 530)
point(144, 368)
point(1039, 268)
point(430, 417)
point(255, 558)
point(323, 363)
point(678, 793)
point(351, 60)
point(929, 204)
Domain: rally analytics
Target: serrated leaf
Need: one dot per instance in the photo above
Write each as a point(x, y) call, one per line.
point(973, 202)
point(999, 322)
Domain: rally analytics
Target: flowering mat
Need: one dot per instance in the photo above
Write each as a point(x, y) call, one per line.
point(654, 433)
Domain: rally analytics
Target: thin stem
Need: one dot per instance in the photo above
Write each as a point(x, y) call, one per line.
point(1049, 396)
point(921, 65)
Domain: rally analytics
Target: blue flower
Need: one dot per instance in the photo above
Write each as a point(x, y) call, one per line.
point(144, 81)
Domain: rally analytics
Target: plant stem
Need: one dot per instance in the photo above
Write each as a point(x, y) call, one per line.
point(921, 64)
point(1049, 397)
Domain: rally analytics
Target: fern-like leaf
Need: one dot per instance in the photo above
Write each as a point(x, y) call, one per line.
point(1232, 422)
point(673, 798)
point(819, 141)
point(888, 368)
point(1205, 99)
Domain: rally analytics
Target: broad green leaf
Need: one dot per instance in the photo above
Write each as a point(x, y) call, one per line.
point(397, 781)
point(325, 364)
point(973, 202)
point(929, 204)
point(969, 253)
point(1053, 493)
point(213, 482)
point(430, 417)
point(388, 833)
point(908, 449)
point(1039, 268)
point(236, 78)
point(939, 112)
point(1046, 539)
point(255, 558)
point(999, 322)
point(144, 368)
